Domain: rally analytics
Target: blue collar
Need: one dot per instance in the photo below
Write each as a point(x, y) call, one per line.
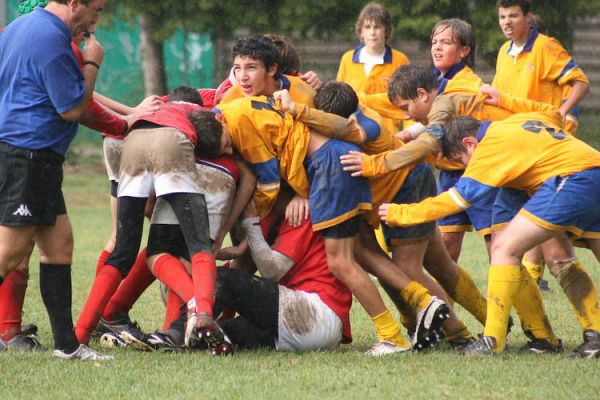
point(285, 82)
point(483, 130)
point(387, 55)
point(533, 34)
point(451, 73)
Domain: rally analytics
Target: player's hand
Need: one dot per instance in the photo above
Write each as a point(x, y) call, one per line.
point(93, 50)
point(493, 94)
point(353, 162)
point(250, 211)
point(404, 136)
point(229, 253)
point(287, 103)
point(297, 211)
point(383, 212)
point(149, 104)
point(312, 78)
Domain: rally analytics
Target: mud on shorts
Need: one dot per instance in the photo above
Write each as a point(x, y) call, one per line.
point(30, 186)
point(478, 216)
point(419, 185)
point(218, 188)
point(157, 160)
point(306, 323)
point(112, 149)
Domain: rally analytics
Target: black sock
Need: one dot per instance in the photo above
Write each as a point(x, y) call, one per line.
point(55, 287)
point(179, 323)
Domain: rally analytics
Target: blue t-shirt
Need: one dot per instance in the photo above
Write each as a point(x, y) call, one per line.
point(39, 79)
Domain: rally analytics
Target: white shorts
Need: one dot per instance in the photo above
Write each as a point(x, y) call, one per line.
point(306, 323)
point(160, 161)
point(218, 188)
point(112, 149)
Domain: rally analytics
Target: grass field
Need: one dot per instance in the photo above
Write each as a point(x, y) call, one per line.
point(344, 374)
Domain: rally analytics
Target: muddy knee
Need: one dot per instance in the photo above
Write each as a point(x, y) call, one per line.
point(560, 268)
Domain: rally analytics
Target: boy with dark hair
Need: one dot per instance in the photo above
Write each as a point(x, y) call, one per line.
point(256, 70)
point(535, 66)
point(564, 178)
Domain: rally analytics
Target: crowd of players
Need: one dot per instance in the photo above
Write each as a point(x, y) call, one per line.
point(319, 185)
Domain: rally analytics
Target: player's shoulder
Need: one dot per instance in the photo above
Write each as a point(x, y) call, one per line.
point(399, 57)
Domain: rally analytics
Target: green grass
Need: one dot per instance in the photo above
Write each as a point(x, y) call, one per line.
point(344, 374)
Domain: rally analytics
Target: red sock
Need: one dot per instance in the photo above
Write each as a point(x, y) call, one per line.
point(12, 296)
point(170, 271)
point(105, 285)
point(204, 274)
point(173, 310)
point(102, 260)
point(130, 290)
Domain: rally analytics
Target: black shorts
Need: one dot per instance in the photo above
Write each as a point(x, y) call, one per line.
point(169, 239)
point(346, 229)
point(30, 186)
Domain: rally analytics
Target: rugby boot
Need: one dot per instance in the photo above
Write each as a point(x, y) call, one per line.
point(385, 347)
point(429, 323)
point(82, 353)
point(482, 347)
point(590, 348)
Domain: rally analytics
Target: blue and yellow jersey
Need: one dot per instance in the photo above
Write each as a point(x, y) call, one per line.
point(300, 91)
point(271, 142)
point(540, 72)
point(352, 71)
point(544, 151)
point(457, 96)
point(367, 129)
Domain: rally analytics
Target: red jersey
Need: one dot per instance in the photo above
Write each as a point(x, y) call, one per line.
point(101, 120)
point(174, 115)
point(310, 272)
point(223, 162)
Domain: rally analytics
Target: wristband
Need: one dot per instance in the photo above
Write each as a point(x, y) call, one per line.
point(92, 63)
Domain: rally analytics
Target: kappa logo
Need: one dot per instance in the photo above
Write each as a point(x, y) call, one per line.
point(23, 211)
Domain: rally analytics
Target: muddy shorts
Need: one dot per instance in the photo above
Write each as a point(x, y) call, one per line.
point(160, 161)
point(112, 149)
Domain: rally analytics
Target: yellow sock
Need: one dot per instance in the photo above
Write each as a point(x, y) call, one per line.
point(503, 283)
point(388, 329)
point(469, 297)
point(581, 292)
point(416, 296)
point(407, 314)
point(535, 270)
point(528, 303)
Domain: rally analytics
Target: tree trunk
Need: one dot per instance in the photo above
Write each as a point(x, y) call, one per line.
point(155, 76)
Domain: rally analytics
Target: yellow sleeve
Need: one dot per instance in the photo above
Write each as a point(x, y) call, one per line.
point(427, 210)
point(520, 105)
point(411, 153)
point(330, 125)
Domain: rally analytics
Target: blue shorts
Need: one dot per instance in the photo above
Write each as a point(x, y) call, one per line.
point(507, 205)
point(568, 203)
point(335, 196)
point(419, 185)
point(478, 216)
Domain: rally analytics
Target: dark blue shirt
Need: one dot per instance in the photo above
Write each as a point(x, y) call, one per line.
point(40, 78)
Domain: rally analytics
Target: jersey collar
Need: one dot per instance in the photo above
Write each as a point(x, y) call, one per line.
point(387, 55)
point(451, 73)
point(483, 130)
point(533, 34)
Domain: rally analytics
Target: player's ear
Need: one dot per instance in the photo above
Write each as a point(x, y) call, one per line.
point(273, 70)
point(469, 141)
point(422, 94)
point(464, 52)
